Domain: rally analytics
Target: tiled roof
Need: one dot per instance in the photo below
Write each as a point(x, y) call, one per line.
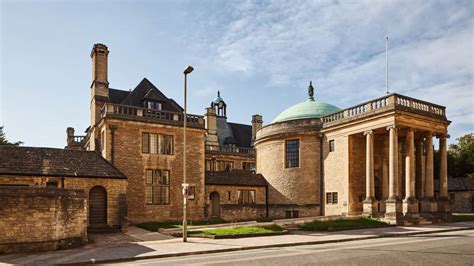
point(146, 90)
point(242, 134)
point(235, 178)
point(117, 96)
point(33, 161)
point(457, 184)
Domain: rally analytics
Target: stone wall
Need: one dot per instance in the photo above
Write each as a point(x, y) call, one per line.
point(40, 219)
point(129, 159)
point(113, 187)
point(230, 208)
point(297, 185)
point(336, 173)
point(463, 201)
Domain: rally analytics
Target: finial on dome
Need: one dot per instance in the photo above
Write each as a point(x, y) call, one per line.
point(310, 91)
point(218, 93)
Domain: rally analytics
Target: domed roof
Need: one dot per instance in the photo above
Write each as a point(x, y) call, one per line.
point(308, 109)
point(218, 99)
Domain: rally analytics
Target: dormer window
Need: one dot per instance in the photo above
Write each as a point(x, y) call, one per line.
point(153, 105)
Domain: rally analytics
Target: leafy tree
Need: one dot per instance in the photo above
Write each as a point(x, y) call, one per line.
point(461, 155)
point(4, 141)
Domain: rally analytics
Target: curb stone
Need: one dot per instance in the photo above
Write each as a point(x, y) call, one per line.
point(266, 246)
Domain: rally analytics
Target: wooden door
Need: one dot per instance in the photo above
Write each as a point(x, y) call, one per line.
point(97, 206)
point(215, 205)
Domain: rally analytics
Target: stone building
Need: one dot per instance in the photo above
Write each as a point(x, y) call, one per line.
point(461, 194)
point(375, 158)
point(104, 185)
point(233, 190)
point(140, 132)
point(236, 195)
point(51, 197)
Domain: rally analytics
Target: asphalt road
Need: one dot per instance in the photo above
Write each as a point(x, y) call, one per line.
point(450, 248)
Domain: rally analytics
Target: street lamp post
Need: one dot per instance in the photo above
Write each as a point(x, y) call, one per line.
point(188, 70)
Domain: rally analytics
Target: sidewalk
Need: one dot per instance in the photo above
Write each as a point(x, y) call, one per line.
point(175, 247)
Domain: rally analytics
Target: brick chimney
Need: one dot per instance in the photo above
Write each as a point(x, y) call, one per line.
point(256, 125)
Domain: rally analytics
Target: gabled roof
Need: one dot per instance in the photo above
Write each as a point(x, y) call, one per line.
point(34, 161)
point(146, 90)
point(457, 184)
point(235, 178)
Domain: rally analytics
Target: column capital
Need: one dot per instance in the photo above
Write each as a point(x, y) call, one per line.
point(368, 132)
point(428, 135)
point(442, 136)
point(394, 127)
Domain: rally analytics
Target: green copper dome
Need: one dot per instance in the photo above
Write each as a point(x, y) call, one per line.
point(307, 109)
point(218, 99)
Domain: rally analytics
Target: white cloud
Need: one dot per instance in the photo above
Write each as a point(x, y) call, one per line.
point(340, 46)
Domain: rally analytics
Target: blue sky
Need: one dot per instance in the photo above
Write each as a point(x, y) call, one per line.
point(259, 54)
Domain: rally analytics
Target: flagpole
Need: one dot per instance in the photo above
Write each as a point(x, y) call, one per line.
point(386, 64)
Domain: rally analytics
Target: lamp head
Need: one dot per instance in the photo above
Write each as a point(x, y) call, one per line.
point(188, 70)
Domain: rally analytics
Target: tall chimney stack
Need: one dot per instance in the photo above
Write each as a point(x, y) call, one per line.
point(256, 125)
point(99, 87)
point(210, 118)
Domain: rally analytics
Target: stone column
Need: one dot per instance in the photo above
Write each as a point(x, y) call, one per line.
point(410, 165)
point(410, 204)
point(443, 168)
point(369, 204)
point(443, 204)
point(428, 204)
point(419, 170)
point(393, 212)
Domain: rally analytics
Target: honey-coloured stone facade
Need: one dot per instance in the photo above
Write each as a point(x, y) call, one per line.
point(113, 187)
point(126, 154)
point(41, 219)
point(230, 209)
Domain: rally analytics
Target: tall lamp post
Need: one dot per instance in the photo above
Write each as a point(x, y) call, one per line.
point(188, 70)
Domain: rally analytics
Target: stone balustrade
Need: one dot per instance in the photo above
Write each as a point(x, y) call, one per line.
point(226, 149)
point(388, 102)
point(150, 114)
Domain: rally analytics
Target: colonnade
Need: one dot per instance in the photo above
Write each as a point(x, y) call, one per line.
point(419, 178)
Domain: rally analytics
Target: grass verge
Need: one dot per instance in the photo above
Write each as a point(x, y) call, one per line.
point(462, 218)
point(155, 226)
point(342, 224)
point(239, 230)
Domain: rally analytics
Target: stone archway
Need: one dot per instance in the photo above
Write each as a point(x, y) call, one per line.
point(97, 206)
point(215, 205)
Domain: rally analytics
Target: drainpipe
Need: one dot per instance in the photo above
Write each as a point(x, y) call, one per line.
point(112, 133)
point(321, 175)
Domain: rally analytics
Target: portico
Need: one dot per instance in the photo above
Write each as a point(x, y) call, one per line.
point(410, 176)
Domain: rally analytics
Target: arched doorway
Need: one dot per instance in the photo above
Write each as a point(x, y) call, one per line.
point(97, 206)
point(215, 205)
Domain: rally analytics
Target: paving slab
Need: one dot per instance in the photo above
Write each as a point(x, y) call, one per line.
point(175, 247)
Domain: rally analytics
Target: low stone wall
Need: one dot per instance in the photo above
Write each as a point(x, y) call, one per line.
point(279, 211)
point(41, 219)
point(463, 202)
point(248, 212)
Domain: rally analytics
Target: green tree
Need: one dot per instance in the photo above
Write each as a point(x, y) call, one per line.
point(461, 155)
point(4, 141)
